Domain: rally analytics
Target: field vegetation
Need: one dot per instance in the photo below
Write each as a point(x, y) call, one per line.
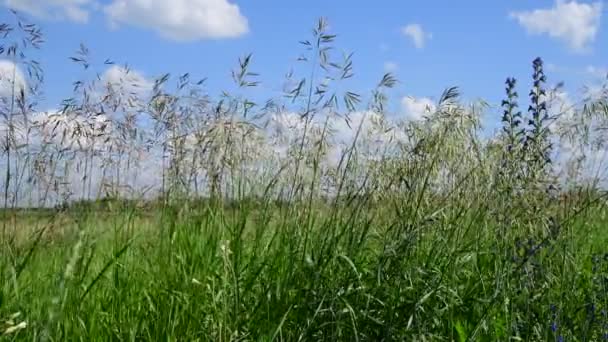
point(159, 212)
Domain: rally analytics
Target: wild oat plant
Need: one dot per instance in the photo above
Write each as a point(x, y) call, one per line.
point(154, 211)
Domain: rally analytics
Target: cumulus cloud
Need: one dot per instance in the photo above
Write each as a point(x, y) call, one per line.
point(127, 80)
point(417, 108)
point(373, 140)
point(560, 103)
point(73, 10)
point(290, 126)
point(64, 130)
point(123, 87)
point(11, 76)
point(575, 23)
point(561, 107)
point(416, 33)
point(181, 20)
point(69, 130)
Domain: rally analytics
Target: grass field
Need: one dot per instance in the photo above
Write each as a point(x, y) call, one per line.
point(255, 272)
point(434, 230)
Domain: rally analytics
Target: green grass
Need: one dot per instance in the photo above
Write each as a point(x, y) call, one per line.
point(425, 230)
point(256, 273)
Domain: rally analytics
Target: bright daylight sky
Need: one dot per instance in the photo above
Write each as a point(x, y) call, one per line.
point(429, 45)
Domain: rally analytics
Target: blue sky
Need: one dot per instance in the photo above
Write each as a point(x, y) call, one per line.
point(429, 44)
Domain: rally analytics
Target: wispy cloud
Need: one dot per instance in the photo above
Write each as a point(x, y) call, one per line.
point(598, 72)
point(417, 34)
point(73, 10)
point(390, 66)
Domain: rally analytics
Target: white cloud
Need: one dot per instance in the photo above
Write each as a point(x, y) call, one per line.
point(285, 122)
point(127, 81)
point(70, 130)
point(125, 88)
point(417, 108)
point(373, 140)
point(596, 92)
point(598, 72)
point(74, 10)
point(290, 125)
point(371, 132)
point(574, 23)
point(63, 130)
point(345, 132)
point(373, 127)
point(11, 75)
point(416, 34)
point(182, 20)
point(390, 66)
point(561, 107)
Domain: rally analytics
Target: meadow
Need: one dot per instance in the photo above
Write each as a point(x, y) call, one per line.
point(261, 223)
